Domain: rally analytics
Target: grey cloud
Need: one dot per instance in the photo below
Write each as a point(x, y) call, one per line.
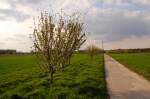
point(109, 26)
point(18, 15)
point(14, 2)
point(2, 43)
point(2, 18)
point(19, 37)
point(18, 41)
point(30, 1)
point(117, 27)
point(12, 13)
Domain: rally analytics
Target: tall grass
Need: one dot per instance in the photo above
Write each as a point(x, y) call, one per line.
point(82, 79)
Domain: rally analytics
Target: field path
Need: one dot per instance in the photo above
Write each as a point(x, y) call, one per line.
point(123, 83)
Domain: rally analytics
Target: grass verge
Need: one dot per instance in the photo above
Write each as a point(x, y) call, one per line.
point(138, 62)
point(20, 78)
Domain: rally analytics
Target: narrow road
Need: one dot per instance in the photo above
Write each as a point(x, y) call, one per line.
point(123, 83)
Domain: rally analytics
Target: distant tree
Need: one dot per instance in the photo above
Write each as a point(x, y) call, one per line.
point(94, 50)
point(56, 41)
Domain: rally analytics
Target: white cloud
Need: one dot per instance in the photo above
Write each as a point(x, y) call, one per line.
point(144, 2)
point(111, 2)
point(132, 42)
point(25, 9)
point(117, 2)
point(4, 4)
point(147, 18)
point(132, 13)
point(109, 20)
point(71, 6)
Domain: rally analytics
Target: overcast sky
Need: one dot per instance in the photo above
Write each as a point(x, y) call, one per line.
point(119, 23)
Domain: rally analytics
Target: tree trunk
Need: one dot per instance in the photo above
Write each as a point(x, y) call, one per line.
point(51, 80)
point(62, 68)
point(51, 75)
point(69, 60)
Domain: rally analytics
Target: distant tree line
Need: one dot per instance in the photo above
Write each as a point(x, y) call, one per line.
point(8, 51)
point(86, 51)
point(13, 51)
point(128, 50)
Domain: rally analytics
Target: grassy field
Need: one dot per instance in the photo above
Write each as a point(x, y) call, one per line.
point(138, 62)
point(21, 78)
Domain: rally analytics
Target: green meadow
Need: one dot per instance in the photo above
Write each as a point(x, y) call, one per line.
point(138, 62)
point(22, 78)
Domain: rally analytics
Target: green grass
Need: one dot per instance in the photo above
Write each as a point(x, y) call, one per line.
point(138, 62)
point(21, 77)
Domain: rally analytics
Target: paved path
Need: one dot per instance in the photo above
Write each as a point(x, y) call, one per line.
point(123, 83)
